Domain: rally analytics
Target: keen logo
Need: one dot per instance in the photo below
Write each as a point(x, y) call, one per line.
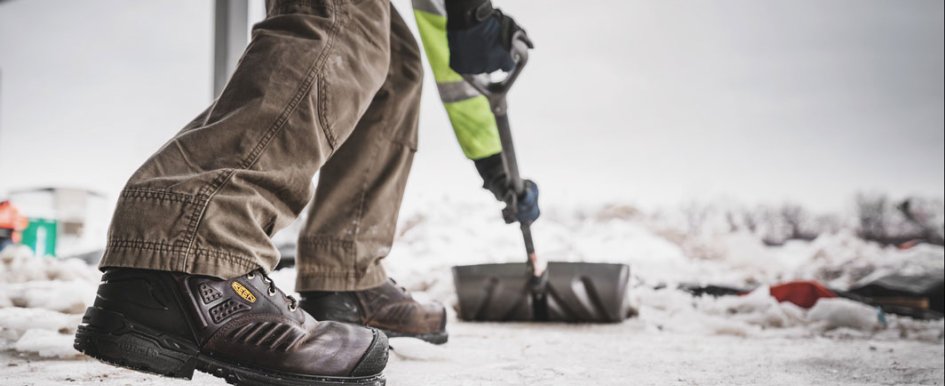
point(243, 292)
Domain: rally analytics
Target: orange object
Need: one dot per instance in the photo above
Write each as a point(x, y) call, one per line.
point(11, 219)
point(802, 293)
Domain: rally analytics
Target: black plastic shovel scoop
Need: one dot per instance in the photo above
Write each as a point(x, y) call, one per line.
point(535, 291)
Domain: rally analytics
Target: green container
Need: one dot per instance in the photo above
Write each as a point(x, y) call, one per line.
point(40, 236)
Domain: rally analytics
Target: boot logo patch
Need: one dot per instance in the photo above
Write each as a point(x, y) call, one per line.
point(243, 292)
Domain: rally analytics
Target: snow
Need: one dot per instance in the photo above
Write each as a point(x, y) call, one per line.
point(675, 339)
point(45, 343)
point(844, 313)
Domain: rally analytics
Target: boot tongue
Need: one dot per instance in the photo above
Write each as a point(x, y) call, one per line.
point(401, 288)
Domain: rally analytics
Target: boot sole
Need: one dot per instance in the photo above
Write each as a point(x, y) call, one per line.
point(434, 338)
point(111, 338)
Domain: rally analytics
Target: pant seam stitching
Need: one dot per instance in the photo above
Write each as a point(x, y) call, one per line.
point(321, 85)
point(320, 240)
point(160, 246)
point(159, 195)
point(332, 274)
point(329, 272)
point(196, 216)
point(363, 196)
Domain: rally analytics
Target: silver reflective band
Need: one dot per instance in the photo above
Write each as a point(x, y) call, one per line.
point(436, 7)
point(456, 91)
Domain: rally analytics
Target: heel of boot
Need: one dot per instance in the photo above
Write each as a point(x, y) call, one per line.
point(110, 337)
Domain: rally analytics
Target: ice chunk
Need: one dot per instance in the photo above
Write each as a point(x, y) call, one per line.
point(416, 349)
point(839, 312)
point(47, 344)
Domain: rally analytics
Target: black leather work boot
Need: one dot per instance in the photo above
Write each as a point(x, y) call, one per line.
point(243, 330)
point(387, 307)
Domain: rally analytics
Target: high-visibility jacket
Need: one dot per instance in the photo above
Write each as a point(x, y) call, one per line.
point(11, 222)
point(469, 112)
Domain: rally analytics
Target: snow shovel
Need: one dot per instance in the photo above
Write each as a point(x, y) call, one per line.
point(534, 291)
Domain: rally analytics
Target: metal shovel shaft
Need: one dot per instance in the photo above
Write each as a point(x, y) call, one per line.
point(535, 266)
point(538, 280)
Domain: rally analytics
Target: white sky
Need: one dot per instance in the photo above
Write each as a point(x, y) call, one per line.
point(652, 102)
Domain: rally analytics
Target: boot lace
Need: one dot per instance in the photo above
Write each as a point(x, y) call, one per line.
point(272, 289)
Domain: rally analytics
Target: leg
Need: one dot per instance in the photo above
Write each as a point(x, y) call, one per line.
point(208, 200)
point(354, 214)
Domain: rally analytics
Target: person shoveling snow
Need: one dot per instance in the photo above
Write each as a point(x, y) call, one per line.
point(323, 87)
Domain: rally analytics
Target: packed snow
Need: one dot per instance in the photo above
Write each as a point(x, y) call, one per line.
point(675, 338)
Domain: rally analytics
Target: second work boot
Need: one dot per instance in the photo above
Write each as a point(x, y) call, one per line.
point(243, 330)
point(387, 307)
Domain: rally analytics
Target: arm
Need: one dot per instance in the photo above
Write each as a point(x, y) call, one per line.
point(464, 48)
point(469, 114)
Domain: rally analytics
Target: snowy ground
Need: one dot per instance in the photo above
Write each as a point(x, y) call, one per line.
point(583, 355)
point(676, 339)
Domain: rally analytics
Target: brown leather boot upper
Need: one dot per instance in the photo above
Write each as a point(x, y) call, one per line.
point(387, 307)
point(244, 321)
point(272, 330)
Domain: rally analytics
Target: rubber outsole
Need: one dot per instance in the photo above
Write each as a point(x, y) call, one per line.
point(109, 337)
point(434, 338)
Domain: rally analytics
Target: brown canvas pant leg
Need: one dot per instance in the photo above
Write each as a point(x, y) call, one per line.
point(208, 201)
point(352, 221)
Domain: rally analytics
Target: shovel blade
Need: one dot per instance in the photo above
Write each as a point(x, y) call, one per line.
point(576, 292)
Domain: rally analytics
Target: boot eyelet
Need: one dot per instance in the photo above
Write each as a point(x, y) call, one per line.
point(251, 275)
point(271, 291)
point(293, 307)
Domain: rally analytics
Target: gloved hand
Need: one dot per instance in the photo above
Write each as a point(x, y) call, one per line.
point(526, 211)
point(495, 179)
point(480, 37)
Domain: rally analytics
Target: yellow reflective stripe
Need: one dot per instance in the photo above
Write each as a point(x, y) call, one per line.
point(469, 113)
point(433, 35)
point(474, 126)
point(456, 91)
point(436, 7)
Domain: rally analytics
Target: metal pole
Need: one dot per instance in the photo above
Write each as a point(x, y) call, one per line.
point(231, 23)
point(1, 125)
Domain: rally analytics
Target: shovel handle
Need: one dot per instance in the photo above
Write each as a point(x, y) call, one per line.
point(496, 93)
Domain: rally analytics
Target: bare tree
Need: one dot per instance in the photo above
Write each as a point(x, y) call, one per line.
point(909, 222)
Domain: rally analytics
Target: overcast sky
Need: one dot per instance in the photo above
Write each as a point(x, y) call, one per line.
point(653, 102)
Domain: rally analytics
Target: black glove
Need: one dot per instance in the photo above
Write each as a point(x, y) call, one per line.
point(525, 210)
point(480, 37)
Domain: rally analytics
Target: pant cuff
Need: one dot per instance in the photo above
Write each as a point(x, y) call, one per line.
point(166, 257)
point(314, 278)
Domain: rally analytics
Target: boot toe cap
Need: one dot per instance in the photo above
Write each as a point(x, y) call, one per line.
point(375, 358)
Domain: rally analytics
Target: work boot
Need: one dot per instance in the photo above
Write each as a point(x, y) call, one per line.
point(243, 330)
point(387, 307)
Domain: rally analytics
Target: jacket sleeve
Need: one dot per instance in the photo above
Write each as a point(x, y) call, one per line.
point(469, 113)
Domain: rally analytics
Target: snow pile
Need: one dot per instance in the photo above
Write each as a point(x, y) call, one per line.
point(42, 301)
point(760, 315)
point(664, 253)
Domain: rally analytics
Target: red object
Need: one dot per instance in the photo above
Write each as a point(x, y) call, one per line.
point(11, 219)
point(802, 293)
